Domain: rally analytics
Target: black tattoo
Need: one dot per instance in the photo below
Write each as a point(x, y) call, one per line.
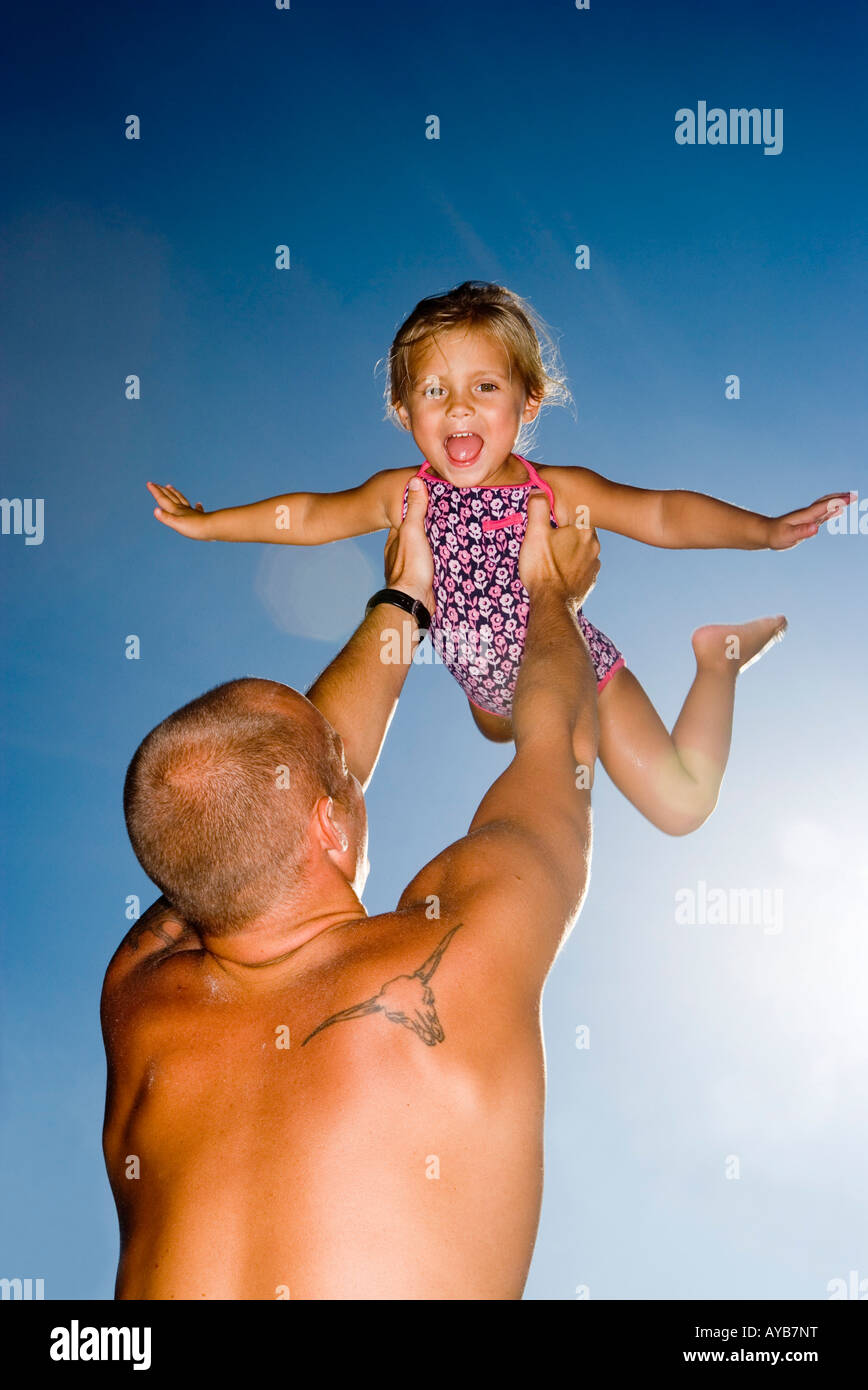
point(408, 1000)
point(152, 921)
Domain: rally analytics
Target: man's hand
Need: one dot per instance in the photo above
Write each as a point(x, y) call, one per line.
point(564, 560)
point(786, 531)
point(409, 564)
point(174, 510)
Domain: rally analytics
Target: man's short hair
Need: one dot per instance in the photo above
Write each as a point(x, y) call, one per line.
point(218, 798)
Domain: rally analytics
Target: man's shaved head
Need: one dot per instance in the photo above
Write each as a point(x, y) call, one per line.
point(218, 799)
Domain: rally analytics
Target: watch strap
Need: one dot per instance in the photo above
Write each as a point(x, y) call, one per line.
point(413, 606)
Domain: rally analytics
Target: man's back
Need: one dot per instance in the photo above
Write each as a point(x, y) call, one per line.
point(361, 1120)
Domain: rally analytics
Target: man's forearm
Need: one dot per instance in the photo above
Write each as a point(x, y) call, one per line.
point(358, 692)
point(693, 521)
point(556, 682)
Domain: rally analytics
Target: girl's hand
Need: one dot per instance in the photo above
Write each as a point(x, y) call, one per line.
point(787, 531)
point(174, 510)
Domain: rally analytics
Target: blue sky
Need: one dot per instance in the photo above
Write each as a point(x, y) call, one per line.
point(156, 257)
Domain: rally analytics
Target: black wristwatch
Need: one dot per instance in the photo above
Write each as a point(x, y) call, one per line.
point(413, 606)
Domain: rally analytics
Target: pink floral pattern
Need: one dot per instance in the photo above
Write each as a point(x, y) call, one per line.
point(480, 622)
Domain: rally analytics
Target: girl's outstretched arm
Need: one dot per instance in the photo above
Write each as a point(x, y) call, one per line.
point(679, 520)
point(296, 518)
point(692, 521)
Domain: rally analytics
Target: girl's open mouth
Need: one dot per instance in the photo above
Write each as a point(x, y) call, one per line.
point(463, 447)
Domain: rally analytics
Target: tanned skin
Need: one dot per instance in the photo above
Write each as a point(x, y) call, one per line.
point(464, 380)
point(394, 1148)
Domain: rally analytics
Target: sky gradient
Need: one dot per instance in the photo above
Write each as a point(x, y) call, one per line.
point(156, 257)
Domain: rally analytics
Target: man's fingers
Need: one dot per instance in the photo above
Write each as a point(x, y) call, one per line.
point(409, 563)
point(588, 535)
point(537, 513)
point(417, 499)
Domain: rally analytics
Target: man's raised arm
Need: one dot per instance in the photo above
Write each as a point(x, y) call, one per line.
point(554, 713)
point(520, 874)
point(358, 692)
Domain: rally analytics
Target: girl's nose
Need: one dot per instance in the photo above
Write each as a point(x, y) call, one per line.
point(461, 402)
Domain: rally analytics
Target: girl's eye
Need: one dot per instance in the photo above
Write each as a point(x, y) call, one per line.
point(434, 386)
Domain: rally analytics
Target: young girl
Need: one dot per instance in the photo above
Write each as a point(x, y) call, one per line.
point(466, 375)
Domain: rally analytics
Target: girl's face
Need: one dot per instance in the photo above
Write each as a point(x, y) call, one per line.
point(464, 411)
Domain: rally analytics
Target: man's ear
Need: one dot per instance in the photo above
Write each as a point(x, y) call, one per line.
point(329, 823)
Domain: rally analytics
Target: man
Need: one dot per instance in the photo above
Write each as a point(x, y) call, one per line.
point(303, 1101)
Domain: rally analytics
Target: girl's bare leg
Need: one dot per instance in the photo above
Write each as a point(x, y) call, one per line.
point(673, 779)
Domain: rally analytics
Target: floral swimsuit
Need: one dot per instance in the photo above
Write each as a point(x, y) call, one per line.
point(480, 622)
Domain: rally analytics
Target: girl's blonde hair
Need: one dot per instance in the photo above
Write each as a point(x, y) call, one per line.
point(497, 311)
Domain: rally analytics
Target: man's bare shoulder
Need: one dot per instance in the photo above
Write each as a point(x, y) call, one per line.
point(137, 971)
point(424, 970)
point(393, 965)
point(518, 895)
point(460, 877)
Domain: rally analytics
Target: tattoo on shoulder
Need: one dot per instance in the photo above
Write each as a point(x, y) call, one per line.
point(408, 1000)
point(155, 926)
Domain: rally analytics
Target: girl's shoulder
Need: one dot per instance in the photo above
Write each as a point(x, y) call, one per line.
point(554, 473)
point(395, 482)
point(567, 484)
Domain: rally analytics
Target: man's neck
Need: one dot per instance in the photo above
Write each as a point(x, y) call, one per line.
point(272, 940)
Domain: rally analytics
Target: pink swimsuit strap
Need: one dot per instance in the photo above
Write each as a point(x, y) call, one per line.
point(534, 480)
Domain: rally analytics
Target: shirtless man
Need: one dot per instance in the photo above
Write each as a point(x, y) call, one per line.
point(303, 1101)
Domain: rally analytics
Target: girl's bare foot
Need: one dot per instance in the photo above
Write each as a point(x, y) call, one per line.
point(736, 647)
